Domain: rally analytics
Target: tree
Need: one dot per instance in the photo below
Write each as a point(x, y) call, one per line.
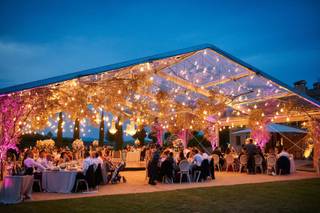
point(101, 130)
point(118, 136)
point(59, 132)
point(76, 129)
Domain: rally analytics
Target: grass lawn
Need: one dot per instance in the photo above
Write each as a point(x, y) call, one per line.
point(292, 196)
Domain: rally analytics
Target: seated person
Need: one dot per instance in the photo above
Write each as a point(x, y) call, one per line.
point(97, 159)
point(86, 162)
point(180, 157)
point(42, 159)
point(197, 159)
point(29, 163)
point(50, 162)
point(283, 153)
point(64, 158)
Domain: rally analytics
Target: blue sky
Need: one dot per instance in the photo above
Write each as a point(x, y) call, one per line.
point(40, 39)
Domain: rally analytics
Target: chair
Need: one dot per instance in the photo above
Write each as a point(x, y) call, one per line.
point(104, 173)
point(271, 163)
point(197, 175)
point(230, 162)
point(81, 181)
point(166, 171)
point(184, 170)
point(258, 163)
point(216, 160)
point(283, 165)
point(98, 175)
point(205, 169)
point(243, 162)
point(38, 182)
point(90, 177)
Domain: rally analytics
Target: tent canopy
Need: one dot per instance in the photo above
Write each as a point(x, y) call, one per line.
point(277, 128)
point(186, 80)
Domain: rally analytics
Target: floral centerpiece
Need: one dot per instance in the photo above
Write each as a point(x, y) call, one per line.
point(177, 144)
point(78, 145)
point(45, 144)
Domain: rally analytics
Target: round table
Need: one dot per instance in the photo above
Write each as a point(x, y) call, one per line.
point(58, 181)
point(15, 188)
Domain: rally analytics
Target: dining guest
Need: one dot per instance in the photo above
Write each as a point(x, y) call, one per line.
point(29, 163)
point(42, 159)
point(86, 162)
point(197, 159)
point(180, 157)
point(50, 161)
point(153, 167)
point(283, 153)
point(64, 158)
point(98, 159)
point(251, 151)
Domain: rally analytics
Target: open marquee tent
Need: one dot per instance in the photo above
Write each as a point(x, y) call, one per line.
point(189, 75)
point(191, 88)
point(277, 128)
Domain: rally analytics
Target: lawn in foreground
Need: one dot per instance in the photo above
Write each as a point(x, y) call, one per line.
point(290, 196)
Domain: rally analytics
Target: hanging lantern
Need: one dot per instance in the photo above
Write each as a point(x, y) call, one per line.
point(113, 129)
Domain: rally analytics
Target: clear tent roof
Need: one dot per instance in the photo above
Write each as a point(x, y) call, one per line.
point(193, 76)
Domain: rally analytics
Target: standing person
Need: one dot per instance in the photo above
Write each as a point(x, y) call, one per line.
point(153, 167)
point(251, 151)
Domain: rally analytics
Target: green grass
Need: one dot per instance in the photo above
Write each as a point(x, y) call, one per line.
point(292, 196)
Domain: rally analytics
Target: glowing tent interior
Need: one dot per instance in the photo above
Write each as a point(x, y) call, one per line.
point(200, 88)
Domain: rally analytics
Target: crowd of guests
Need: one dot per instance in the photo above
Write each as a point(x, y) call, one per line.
point(251, 151)
point(161, 162)
point(34, 161)
point(164, 163)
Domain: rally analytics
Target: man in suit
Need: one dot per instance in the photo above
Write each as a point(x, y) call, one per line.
point(251, 151)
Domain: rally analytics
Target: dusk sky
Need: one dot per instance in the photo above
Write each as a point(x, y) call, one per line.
point(41, 39)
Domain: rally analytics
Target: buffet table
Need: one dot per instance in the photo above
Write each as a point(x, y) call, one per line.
point(16, 188)
point(58, 181)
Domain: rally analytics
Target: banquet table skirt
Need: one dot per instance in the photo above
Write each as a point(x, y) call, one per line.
point(58, 181)
point(292, 165)
point(133, 156)
point(14, 188)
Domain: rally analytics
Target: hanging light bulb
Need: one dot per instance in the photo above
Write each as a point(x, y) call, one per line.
point(113, 129)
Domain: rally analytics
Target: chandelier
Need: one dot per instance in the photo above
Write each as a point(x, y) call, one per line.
point(131, 129)
point(113, 129)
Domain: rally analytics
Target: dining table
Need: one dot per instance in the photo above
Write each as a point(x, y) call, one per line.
point(59, 181)
point(15, 189)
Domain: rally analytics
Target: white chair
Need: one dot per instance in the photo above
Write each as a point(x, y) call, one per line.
point(258, 163)
point(184, 170)
point(216, 160)
point(230, 162)
point(243, 162)
point(271, 163)
point(197, 174)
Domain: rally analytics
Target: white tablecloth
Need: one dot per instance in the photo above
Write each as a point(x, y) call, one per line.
point(14, 188)
point(133, 156)
point(292, 165)
point(58, 181)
